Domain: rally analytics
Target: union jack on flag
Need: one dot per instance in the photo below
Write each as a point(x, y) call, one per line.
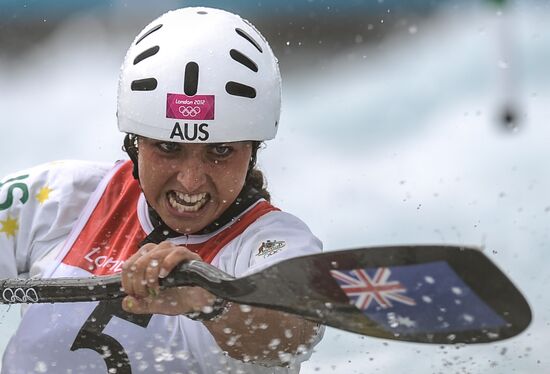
point(361, 289)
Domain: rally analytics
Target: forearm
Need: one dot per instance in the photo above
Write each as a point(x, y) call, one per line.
point(260, 335)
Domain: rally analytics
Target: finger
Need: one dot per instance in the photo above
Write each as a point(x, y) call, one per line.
point(140, 279)
point(129, 268)
point(146, 269)
point(135, 305)
point(152, 275)
point(174, 258)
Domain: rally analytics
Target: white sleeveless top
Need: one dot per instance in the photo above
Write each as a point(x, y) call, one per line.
point(77, 219)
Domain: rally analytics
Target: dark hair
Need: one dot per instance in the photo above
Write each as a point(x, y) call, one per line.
point(254, 176)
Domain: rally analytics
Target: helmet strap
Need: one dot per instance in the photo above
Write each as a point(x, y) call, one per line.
point(130, 147)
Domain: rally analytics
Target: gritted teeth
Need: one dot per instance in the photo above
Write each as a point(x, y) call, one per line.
point(187, 202)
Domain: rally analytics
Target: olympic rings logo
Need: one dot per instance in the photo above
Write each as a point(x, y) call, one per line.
point(20, 295)
point(192, 111)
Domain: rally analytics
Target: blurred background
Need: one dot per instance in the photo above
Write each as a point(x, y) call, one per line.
point(403, 122)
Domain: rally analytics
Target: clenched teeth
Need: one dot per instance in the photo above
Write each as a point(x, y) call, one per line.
point(183, 202)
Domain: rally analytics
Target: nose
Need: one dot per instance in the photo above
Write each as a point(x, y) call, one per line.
point(192, 174)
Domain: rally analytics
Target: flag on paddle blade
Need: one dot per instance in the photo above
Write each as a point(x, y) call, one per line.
point(427, 297)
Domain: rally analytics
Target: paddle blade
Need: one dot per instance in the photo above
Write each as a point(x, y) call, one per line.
point(432, 294)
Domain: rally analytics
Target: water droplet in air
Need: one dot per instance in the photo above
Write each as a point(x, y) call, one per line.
point(245, 308)
point(41, 367)
point(456, 290)
point(274, 343)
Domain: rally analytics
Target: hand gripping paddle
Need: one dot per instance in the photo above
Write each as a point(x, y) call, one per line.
point(418, 293)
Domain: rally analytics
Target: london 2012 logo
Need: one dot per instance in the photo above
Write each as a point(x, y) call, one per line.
point(20, 295)
point(197, 107)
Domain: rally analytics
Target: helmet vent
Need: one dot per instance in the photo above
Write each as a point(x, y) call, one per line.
point(239, 89)
point(241, 58)
point(149, 33)
point(147, 53)
point(191, 80)
point(249, 39)
point(147, 84)
point(202, 12)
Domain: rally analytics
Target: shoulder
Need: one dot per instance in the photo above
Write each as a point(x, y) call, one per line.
point(73, 169)
point(279, 231)
point(54, 181)
point(279, 220)
point(273, 237)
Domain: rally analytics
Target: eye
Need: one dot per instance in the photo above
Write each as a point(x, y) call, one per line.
point(221, 150)
point(168, 147)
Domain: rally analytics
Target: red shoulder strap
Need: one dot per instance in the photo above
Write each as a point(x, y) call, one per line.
point(112, 233)
point(209, 249)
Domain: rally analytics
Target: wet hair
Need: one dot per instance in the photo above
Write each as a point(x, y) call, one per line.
point(254, 177)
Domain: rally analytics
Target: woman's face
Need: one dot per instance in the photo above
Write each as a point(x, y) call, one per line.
point(191, 185)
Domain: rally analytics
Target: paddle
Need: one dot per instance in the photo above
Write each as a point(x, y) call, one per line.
point(418, 293)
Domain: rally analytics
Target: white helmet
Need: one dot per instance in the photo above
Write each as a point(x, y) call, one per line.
point(200, 75)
